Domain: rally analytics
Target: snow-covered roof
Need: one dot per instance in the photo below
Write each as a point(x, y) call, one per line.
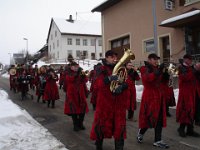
point(180, 17)
point(78, 27)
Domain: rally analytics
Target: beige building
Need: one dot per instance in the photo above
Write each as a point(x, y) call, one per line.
point(169, 28)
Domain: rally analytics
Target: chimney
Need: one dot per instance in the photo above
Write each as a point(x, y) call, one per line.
point(70, 19)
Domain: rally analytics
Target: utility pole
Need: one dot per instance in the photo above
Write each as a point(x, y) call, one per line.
point(155, 26)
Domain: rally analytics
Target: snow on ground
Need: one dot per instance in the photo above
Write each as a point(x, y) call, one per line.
point(139, 91)
point(19, 131)
point(5, 75)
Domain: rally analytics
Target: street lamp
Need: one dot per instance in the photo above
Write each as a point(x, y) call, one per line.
point(10, 57)
point(26, 44)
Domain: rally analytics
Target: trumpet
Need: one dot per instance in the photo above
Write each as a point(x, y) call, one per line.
point(172, 69)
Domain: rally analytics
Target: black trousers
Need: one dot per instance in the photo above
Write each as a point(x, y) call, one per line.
point(197, 112)
point(157, 129)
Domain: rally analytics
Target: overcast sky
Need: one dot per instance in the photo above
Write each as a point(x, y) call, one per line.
point(30, 19)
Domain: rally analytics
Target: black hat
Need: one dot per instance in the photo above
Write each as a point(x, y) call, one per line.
point(187, 56)
point(110, 53)
point(154, 56)
point(73, 63)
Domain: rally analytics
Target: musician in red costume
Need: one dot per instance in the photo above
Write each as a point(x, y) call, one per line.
point(185, 111)
point(167, 89)
point(75, 103)
point(153, 105)
point(51, 93)
point(110, 115)
point(132, 77)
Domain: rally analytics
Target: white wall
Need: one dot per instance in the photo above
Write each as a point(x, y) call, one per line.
point(55, 51)
point(63, 47)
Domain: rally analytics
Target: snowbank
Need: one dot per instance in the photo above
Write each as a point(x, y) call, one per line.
point(5, 75)
point(19, 131)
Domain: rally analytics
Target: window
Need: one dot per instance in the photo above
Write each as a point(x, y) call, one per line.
point(92, 56)
point(57, 43)
point(51, 37)
point(100, 55)
point(85, 42)
point(100, 42)
point(53, 46)
point(50, 48)
point(69, 41)
point(55, 33)
point(85, 54)
point(69, 52)
point(149, 46)
point(125, 41)
point(191, 1)
point(187, 2)
point(78, 42)
point(116, 44)
point(78, 54)
point(93, 42)
point(58, 54)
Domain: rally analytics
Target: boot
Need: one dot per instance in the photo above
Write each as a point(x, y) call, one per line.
point(53, 104)
point(75, 122)
point(130, 114)
point(99, 144)
point(48, 103)
point(38, 99)
point(181, 130)
point(191, 132)
point(119, 144)
point(81, 119)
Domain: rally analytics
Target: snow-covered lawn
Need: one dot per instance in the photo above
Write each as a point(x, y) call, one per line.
point(19, 131)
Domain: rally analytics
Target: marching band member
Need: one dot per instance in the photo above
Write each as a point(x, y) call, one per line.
point(51, 93)
point(75, 103)
point(168, 91)
point(153, 105)
point(185, 111)
point(110, 114)
point(132, 77)
point(12, 79)
point(93, 88)
point(41, 80)
point(197, 114)
point(62, 76)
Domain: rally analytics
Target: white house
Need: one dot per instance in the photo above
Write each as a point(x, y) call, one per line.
point(82, 39)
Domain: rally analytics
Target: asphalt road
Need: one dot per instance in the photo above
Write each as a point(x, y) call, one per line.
point(61, 127)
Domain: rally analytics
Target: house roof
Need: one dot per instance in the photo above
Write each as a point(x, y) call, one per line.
point(105, 5)
point(182, 20)
point(77, 27)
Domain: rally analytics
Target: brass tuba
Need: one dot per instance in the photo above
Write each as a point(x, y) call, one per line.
point(12, 71)
point(121, 71)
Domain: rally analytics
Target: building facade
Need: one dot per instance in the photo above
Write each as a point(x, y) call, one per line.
point(169, 28)
point(81, 39)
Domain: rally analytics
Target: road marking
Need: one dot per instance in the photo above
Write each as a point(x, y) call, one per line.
point(189, 145)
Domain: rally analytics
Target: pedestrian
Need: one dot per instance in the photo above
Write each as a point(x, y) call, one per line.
point(185, 111)
point(153, 105)
point(110, 114)
point(75, 102)
point(51, 93)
